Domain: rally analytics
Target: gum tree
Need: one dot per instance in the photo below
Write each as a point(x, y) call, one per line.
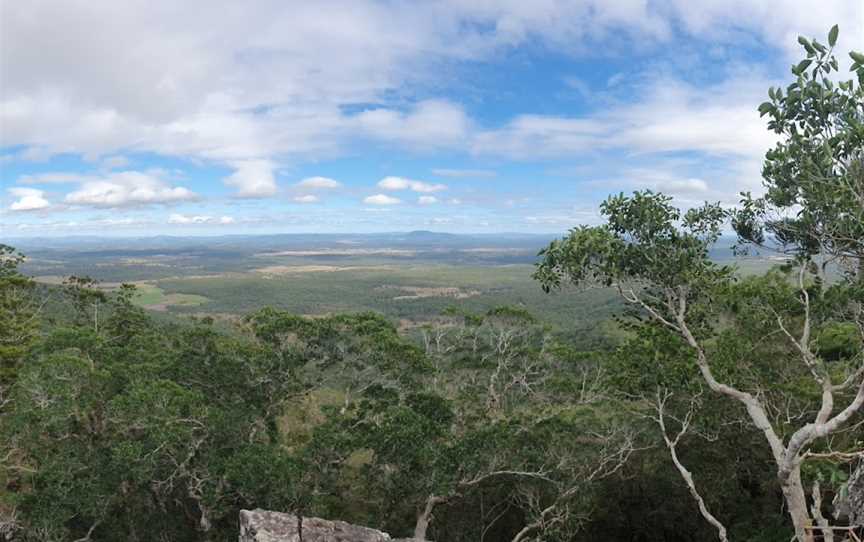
point(657, 259)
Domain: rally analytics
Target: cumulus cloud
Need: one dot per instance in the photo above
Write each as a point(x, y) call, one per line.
point(205, 85)
point(381, 199)
point(430, 123)
point(127, 188)
point(318, 182)
point(427, 200)
point(29, 199)
point(401, 183)
point(176, 218)
point(253, 179)
point(308, 198)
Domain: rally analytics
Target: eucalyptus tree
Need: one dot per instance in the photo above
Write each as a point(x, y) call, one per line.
point(657, 259)
point(731, 329)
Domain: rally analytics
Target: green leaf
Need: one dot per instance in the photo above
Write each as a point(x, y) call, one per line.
point(832, 35)
point(803, 65)
point(806, 43)
point(857, 57)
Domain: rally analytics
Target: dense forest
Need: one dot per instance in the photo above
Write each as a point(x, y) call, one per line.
point(731, 408)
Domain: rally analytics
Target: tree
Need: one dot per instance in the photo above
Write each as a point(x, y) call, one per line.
point(813, 206)
point(517, 397)
point(657, 259)
point(19, 317)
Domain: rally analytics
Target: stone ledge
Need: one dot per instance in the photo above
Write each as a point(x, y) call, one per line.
point(267, 526)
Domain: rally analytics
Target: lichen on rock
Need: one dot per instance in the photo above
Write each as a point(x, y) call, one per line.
point(266, 526)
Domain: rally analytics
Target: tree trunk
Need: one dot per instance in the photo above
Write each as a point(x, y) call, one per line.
point(821, 520)
point(425, 516)
point(796, 503)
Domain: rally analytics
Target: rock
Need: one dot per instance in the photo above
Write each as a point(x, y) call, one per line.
point(265, 526)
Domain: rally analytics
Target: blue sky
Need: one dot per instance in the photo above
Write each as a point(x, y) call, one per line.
point(137, 118)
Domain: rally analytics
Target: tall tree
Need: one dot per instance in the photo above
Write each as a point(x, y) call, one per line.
point(813, 209)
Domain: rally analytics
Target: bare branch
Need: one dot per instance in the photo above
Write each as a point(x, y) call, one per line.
point(671, 444)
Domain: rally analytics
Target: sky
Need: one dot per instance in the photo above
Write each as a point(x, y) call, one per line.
point(151, 117)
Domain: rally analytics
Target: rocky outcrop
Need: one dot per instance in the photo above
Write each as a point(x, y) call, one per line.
point(265, 526)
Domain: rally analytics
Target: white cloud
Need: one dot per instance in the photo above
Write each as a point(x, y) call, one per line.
point(29, 199)
point(430, 123)
point(119, 189)
point(207, 80)
point(671, 116)
point(318, 182)
point(565, 217)
point(401, 183)
point(683, 186)
point(381, 199)
point(308, 198)
point(176, 218)
point(465, 173)
point(253, 178)
point(427, 200)
point(778, 22)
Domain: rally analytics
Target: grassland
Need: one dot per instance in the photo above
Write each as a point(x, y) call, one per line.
point(410, 278)
point(153, 297)
point(409, 294)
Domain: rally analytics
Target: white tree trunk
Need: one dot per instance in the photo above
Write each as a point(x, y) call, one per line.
point(796, 503)
point(425, 516)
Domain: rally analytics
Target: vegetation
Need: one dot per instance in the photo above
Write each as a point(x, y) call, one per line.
point(737, 396)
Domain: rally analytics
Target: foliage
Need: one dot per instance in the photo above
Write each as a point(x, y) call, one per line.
point(18, 316)
point(814, 204)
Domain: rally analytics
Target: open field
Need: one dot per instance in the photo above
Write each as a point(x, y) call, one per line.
point(153, 297)
point(411, 278)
